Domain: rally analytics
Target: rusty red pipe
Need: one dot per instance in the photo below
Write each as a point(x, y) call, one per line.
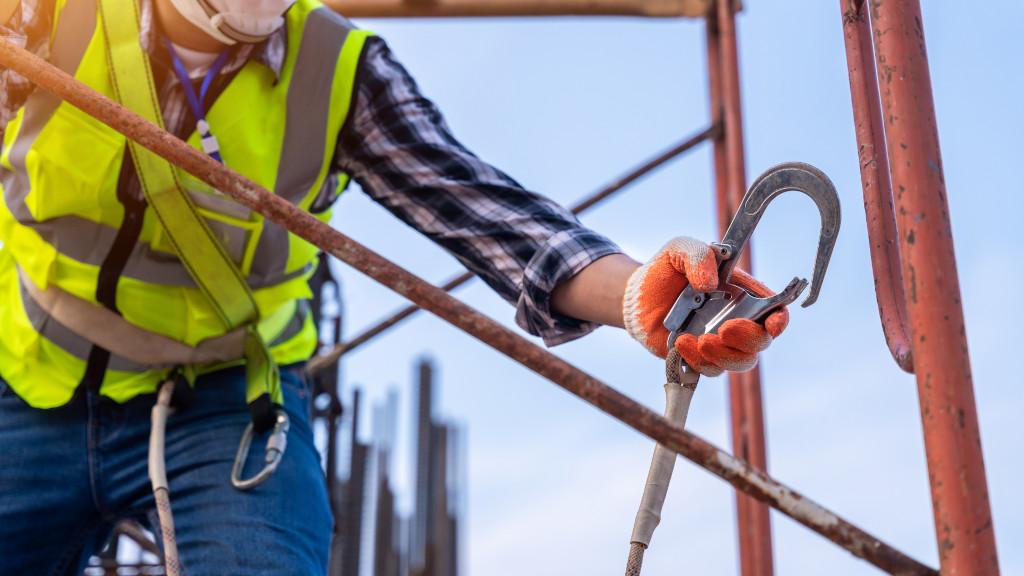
point(745, 401)
point(724, 210)
point(956, 468)
point(737, 472)
point(874, 174)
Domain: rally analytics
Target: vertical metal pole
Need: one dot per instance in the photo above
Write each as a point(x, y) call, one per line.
point(956, 470)
point(355, 493)
point(456, 487)
point(424, 424)
point(886, 262)
point(724, 207)
point(755, 538)
point(437, 544)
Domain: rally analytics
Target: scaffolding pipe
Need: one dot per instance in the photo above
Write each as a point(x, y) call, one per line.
point(956, 469)
point(642, 419)
point(320, 363)
point(746, 410)
point(874, 175)
point(488, 8)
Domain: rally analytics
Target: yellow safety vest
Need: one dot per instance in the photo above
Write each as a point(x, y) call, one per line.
point(60, 212)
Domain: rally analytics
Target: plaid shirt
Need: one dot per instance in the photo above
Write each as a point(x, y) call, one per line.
point(400, 151)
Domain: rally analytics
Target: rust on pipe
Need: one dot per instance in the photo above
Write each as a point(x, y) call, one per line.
point(485, 8)
point(874, 175)
point(724, 208)
point(748, 437)
point(322, 362)
point(610, 401)
point(745, 402)
point(956, 469)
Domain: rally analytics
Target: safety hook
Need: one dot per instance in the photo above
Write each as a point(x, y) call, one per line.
point(276, 444)
point(696, 313)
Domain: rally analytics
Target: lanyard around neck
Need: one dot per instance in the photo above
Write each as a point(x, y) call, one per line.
point(195, 102)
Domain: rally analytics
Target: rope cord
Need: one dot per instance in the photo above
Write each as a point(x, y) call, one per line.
point(636, 558)
point(682, 383)
point(158, 477)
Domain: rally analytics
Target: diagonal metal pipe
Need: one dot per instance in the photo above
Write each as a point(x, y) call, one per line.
point(325, 361)
point(642, 419)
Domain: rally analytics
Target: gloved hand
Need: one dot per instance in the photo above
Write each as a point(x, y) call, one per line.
point(653, 289)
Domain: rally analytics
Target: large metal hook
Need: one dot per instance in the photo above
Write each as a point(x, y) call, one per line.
point(774, 182)
point(696, 313)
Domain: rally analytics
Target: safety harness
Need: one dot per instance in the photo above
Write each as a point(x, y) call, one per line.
point(204, 257)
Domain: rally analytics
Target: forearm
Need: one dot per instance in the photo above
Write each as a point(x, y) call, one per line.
point(595, 294)
point(399, 149)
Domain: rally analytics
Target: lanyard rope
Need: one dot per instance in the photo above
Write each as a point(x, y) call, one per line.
point(195, 102)
point(158, 478)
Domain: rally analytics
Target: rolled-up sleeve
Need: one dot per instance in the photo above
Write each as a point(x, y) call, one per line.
point(399, 149)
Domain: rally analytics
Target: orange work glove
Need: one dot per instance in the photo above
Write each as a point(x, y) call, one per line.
point(653, 289)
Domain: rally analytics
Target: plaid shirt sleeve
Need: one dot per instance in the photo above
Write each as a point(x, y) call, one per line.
point(399, 149)
point(29, 27)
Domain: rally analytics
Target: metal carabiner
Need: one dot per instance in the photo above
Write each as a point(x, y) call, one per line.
point(696, 313)
point(275, 450)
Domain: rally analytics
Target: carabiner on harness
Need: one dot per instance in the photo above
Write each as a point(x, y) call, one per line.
point(275, 450)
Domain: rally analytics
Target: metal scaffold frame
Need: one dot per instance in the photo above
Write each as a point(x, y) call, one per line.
point(924, 298)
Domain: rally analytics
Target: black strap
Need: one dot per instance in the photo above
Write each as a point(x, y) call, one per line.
point(129, 193)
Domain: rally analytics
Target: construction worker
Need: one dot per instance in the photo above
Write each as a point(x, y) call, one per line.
point(101, 301)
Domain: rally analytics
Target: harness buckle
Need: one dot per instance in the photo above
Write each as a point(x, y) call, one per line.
point(275, 451)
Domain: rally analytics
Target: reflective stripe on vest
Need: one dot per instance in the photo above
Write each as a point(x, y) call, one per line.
point(143, 350)
point(60, 212)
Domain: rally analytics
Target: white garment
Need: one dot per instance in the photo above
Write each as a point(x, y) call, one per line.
point(197, 63)
point(228, 21)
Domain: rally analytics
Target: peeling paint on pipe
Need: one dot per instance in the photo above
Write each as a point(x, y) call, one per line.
point(746, 409)
point(949, 417)
point(874, 174)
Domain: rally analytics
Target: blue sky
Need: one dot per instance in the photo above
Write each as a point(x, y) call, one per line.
point(568, 105)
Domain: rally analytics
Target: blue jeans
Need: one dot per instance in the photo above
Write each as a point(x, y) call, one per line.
point(68, 474)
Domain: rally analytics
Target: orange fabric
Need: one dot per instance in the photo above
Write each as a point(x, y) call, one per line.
point(669, 274)
point(720, 354)
point(688, 346)
point(656, 285)
point(744, 335)
point(738, 341)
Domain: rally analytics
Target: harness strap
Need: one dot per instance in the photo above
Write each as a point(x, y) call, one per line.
point(197, 248)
